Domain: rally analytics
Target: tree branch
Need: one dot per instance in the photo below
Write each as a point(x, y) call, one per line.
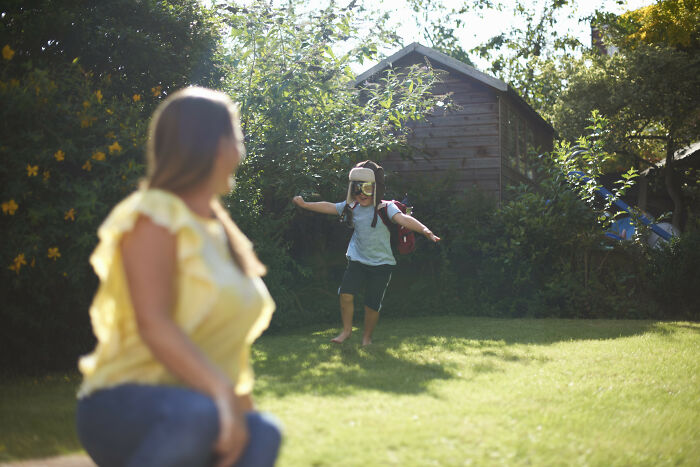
point(635, 156)
point(651, 137)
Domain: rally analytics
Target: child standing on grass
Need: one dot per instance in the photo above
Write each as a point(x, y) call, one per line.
point(370, 259)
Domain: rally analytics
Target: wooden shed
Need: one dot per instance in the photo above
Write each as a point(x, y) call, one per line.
point(488, 138)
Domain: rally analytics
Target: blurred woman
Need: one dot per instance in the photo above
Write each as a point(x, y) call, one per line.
point(179, 303)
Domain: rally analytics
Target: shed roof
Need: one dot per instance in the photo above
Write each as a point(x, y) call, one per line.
point(687, 156)
point(456, 65)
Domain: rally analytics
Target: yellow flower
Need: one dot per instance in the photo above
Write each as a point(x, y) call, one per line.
point(46, 175)
point(87, 166)
point(98, 95)
point(136, 97)
point(86, 104)
point(20, 260)
point(115, 147)
point(99, 156)
point(70, 214)
point(110, 135)
point(109, 111)
point(87, 122)
point(32, 170)
point(54, 253)
point(156, 91)
point(7, 52)
point(17, 263)
point(9, 207)
point(59, 155)
point(33, 263)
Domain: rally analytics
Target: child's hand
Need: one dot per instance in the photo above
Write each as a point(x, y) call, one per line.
point(299, 201)
point(431, 236)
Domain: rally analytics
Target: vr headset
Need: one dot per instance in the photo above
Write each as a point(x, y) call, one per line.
point(365, 188)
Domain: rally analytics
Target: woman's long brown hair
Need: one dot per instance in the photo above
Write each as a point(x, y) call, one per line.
point(184, 138)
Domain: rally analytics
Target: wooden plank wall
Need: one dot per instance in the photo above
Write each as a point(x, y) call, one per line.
point(462, 142)
point(521, 134)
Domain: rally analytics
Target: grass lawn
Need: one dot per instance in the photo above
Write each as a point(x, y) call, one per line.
point(447, 391)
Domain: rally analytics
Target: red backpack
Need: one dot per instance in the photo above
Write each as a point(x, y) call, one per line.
point(403, 239)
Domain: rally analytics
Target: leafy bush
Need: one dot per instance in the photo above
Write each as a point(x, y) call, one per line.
point(71, 150)
point(306, 125)
point(72, 137)
point(77, 93)
point(140, 45)
point(543, 252)
point(674, 277)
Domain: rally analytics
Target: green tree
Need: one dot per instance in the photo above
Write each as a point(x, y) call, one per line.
point(139, 44)
point(70, 149)
point(535, 55)
point(78, 81)
point(305, 122)
point(439, 24)
point(649, 91)
point(674, 23)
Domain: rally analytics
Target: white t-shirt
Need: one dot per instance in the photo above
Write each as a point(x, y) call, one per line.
point(369, 245)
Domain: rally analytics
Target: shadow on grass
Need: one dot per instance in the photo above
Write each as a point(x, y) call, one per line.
point(401, 358)
point(695, 327)
point(311, 364)
point(37, 417)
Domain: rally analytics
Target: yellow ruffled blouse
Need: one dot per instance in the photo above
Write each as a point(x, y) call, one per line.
point(222, 310)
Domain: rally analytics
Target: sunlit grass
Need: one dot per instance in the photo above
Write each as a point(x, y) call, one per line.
point(457, 391)
point(448, 391)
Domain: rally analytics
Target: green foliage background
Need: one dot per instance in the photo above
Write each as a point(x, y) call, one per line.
point(68, 156)
point(78, 82)
point(72, 133)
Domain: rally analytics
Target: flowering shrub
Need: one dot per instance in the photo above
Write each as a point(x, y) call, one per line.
point(70, 150)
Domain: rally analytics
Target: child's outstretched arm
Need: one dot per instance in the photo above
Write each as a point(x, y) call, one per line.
point(414, 224)
point(323, 207)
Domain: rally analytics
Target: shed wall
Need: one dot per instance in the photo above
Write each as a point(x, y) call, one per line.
point(462, 143)
point(522, 140)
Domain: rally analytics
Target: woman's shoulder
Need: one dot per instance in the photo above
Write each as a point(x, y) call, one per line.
point(162, 207)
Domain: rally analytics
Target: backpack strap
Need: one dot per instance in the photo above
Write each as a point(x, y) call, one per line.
point(383, 212)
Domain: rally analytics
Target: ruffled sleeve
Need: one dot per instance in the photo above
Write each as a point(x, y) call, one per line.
point(220, 308)
point(163, 208)
point(111, 311)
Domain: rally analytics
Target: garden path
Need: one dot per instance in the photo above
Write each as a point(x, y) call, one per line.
point(70, 460)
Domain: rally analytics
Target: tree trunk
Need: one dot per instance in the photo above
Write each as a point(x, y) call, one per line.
point(673, 185)
point(643, 196)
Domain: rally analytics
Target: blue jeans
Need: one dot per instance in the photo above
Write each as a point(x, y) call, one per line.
point(140, 425)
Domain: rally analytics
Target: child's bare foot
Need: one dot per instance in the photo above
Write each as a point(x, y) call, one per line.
point(340, 338)
point(366, 341)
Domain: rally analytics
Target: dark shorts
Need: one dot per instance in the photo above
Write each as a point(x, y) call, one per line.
point(371, 280)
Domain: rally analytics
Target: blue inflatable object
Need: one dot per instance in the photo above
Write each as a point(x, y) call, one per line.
point(617, 233)
point(622, 229)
